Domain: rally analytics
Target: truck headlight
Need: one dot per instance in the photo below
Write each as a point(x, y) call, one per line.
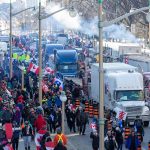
point(146, 111)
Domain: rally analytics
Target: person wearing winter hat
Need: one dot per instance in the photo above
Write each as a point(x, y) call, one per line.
point(27, 134)
point(60, 137)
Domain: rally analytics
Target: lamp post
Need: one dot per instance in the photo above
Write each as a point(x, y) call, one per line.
point(22, 68)
point(101, 71)
point(10, 41)
point(72, 13)
point(10, 35)
point(101, 80)
point(63, 98)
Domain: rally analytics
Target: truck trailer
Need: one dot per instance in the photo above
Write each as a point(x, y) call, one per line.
point(123, 90)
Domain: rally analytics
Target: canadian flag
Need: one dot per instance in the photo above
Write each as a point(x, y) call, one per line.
point(93, 125)
point(33, 68)
point(44, 87)
point(121, 115)
point(49, 145)
point(49, 70)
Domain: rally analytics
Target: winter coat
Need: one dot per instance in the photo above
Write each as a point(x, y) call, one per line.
point(39, 122)
point(17, 116)
point(129, 140)
point(95, 141)
point(60, 137)
point(25, 129)
point(119, 137)
point(60, 147)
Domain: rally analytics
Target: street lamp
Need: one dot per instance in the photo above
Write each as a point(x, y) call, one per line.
point(63, 98)
point(10, 36)
point(72, 13)
point(101, 71)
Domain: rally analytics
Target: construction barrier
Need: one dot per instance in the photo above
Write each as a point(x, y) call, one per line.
point(148, 145)
point(109, 125)
point(127, 132)
point(77, 103)
point(95, 112)
point(86, 106)
point(95, 109)
point(139, 138)
point(90, 111)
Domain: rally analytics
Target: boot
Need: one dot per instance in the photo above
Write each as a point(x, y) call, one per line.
point(28, 147)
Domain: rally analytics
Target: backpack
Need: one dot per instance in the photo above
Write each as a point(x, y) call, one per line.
point(138, 123)
point(111, 144)
point(7, 116)
point(16, 134)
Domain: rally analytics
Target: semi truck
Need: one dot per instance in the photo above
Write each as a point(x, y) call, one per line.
point(141, 61)
point(66, 62)
point(123, 90)
point(117, 49)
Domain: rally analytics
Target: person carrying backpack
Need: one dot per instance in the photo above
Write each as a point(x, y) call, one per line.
point(110, 142)
point(60, 137)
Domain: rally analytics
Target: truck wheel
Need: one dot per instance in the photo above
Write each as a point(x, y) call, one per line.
point(146, 123)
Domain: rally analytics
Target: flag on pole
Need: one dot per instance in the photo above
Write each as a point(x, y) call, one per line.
point(121, 115)
point(48, 70)
point(33, 68)
point(59, 83)
point(44, 87)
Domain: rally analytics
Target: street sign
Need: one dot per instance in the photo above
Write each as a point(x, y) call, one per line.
point(100, 1)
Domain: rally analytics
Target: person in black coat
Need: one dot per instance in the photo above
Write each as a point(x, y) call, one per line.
point(119, 138)
point(95, 140)
point(60, 146)
point(72, 120)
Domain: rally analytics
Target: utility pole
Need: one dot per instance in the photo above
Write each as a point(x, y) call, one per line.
point(10, 42)
point(40, 56)
point(101, 78)
point(149, 28)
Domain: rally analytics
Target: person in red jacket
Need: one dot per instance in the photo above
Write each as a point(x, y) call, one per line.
point(39, 122)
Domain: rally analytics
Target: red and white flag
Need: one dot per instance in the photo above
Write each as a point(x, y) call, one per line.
point(121, 115)
point(44, 87)
point(33, 68)
point(93, 125)
point(48, 70)
point(49, 145)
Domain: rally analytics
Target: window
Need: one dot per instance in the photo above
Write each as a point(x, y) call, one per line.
point(129, 95)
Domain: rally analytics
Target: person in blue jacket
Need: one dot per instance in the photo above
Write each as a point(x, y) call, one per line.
point(132, 141)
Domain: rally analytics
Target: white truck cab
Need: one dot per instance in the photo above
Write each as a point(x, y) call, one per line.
point(123, 90)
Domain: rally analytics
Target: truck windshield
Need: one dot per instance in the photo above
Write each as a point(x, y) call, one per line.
point(65, 68)
point(129, 95)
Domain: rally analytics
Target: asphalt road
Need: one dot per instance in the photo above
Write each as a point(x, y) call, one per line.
point(83, 142)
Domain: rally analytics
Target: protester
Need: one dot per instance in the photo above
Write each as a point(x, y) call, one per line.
point(132, 141)
point(119, 138)
point(39, 122)
point(95, 140)
point(27, 133)
point(110, 142)
point(60, 146)
point(16, 134)
point(60, 137)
